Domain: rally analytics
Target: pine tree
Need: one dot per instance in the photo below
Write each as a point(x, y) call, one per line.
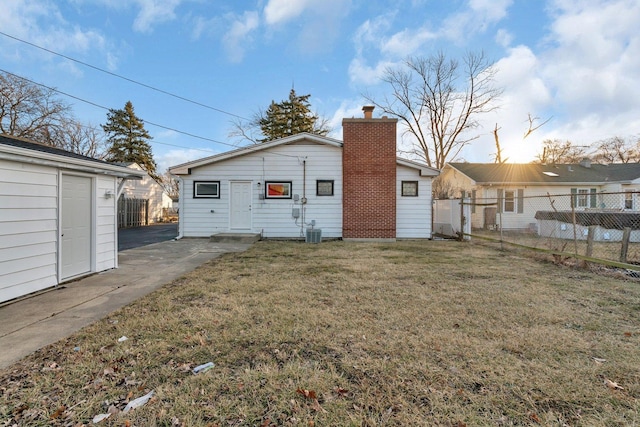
point(290, 117)
point(129, 139)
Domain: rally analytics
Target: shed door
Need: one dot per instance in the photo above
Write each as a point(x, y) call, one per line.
point(240, 218)
point(76, 226)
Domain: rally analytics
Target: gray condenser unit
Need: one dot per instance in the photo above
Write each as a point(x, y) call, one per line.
point(314, 235)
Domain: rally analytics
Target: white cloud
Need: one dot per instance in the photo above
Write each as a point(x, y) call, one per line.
point(479, 15)
point(407, 42)
point(504, 37)
point(363, 74)
point(177, 157)
point(153, 12)
point(282, 11)
point(238, 37)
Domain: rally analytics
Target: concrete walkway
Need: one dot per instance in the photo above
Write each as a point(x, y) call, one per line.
point(32, 323)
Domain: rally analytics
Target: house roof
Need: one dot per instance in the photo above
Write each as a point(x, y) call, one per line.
point(18, 149)
point(185, 168)
point(530, 173)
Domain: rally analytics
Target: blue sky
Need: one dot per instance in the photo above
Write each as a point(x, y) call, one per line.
point(576, 62)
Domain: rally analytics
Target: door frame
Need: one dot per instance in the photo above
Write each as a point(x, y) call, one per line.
point(250, 184)
point(92, 220)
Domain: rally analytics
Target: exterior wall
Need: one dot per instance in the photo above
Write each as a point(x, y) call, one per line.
point(106, 229)
point(369, 165)
point(148, 188)
point(413, 213)
point(28, 228)
point(202, 217)
point(29, 224)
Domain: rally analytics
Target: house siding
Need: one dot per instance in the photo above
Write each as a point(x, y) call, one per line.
point(202, 217)
point(28, 224)
point(413, 213)
point(148, 189)
point(106, 229)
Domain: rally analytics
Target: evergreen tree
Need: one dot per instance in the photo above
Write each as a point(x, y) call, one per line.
point(290, 117)
point(129, 139)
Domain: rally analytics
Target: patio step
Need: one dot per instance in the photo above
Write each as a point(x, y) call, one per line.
point(235, 238)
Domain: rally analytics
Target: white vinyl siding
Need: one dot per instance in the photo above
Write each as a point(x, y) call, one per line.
point(413, 214)
point(106, 226)
point(147, 188)
point(28, 224)
point(271, 217)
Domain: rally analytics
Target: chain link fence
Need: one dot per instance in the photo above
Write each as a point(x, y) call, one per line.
point(584, 225)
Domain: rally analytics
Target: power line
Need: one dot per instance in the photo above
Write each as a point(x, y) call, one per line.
point(145, 121)
point(123, 77)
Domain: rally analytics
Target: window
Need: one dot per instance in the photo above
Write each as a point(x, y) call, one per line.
point(628, 200)
point(509, 201)
point(206, 189)
point(583, 197)
point(410, 188)
point(277, 190)
point(324, 187)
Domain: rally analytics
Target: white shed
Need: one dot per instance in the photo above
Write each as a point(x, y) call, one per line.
point(57, 216)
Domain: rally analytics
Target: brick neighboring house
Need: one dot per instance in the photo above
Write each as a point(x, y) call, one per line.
point(352, 189)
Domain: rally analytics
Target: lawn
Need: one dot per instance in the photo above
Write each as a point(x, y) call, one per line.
point(346, 334)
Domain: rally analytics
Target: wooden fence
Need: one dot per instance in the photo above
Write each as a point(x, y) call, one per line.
point(132, 212)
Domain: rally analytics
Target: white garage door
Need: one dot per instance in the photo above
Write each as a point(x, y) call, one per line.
point(76, 226)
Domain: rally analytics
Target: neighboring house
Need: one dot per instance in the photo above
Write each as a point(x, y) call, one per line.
point(351, 189)
point(520, 191)
point(147, 189)
point(57, 216)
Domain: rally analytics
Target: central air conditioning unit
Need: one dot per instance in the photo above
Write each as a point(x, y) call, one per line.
point(314, 235)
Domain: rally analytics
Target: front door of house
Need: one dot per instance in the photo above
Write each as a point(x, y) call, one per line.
point(240, 209)
point(75, 226)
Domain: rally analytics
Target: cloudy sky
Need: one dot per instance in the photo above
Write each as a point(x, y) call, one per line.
point(575, 62)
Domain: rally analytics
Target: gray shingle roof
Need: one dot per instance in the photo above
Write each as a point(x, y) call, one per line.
point(21, 143)
point(491, 173)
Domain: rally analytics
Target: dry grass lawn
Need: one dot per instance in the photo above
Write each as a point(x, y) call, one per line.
point(345, 334)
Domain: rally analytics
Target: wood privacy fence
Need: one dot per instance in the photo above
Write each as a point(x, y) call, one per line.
point(132, 212)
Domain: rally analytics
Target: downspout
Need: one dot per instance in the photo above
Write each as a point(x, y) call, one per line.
point(304, 195)
point(180, 208)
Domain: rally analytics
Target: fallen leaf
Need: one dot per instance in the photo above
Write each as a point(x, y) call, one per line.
point(341, 391)
point(58, 413)
point(599, 360)
point(627, 334)
point(309, 394)
point(533, 417)
point(612, 385)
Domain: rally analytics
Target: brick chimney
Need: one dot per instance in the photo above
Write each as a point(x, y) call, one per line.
point(369, 177)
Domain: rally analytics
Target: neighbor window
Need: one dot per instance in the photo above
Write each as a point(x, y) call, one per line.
point(628, 200)
point(410, 188)
point(206, 190)
point(277, 190)
point(584, 197)
point(324, 187)
point(511, 200)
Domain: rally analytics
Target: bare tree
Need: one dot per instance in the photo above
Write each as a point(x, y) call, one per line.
point(617, 150)
point(31, 111)
point(559, 152)
point(531, 128)
point(170, 185)
point(73, 136)
point(28, 110)
point(438, 100)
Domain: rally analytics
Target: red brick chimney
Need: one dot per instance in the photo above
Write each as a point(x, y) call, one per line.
point(369, 177)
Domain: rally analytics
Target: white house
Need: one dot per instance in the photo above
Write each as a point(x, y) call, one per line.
point(148, 189)
point(57, 216)
point(352, 189)
point(527, 196)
